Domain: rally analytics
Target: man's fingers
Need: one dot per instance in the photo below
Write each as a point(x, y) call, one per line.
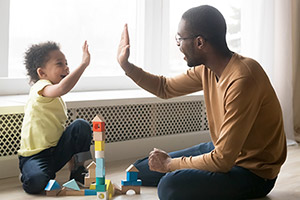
point(126, 35)
point(150, 163)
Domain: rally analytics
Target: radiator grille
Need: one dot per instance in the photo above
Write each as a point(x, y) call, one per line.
point(123, 122)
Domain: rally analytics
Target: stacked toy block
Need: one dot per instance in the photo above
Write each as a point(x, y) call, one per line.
point(131, 182)
point(52, 188)
point(69, 189)
point(99, 139)
point(91, 176)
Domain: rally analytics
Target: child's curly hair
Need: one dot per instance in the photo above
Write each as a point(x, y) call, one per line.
point(37, 56)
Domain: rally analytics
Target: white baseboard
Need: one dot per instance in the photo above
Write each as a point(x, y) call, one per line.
point(9, 166)
point(125, 149)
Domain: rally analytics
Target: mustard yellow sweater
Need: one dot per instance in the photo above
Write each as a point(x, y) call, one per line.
point(243, 112)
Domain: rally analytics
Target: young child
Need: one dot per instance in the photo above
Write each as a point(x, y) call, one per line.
point(46, 145)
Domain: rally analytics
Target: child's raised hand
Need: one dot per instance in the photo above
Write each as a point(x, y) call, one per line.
point(86, 57)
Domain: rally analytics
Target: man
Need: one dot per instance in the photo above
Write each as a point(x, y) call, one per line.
point(245, 120)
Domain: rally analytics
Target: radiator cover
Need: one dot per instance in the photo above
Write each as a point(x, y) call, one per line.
point(123, 122)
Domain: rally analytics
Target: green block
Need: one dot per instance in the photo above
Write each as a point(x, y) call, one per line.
point(101, 188)
point(100, 180)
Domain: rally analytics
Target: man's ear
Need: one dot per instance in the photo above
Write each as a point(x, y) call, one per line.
point(200, 42)
point(40, 72)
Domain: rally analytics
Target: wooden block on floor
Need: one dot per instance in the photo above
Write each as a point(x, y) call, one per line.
point(93, 186)
point(72, 185)
point(88, 181)
point(137, 182)
point(102, 196)
point(89, 192)
point(100, 180)
point(52, 185)
point(66, 192)
point(132, 168)
point(52, 192)
point(74, 193)
point(101, 188)
point(91, 169)
point(131, 176)
point(136, 189)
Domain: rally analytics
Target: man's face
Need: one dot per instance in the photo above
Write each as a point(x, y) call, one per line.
point(187, 44)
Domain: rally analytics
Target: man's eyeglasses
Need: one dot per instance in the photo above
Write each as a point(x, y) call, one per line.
point(179, 39)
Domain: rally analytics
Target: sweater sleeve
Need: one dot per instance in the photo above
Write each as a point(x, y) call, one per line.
point(242, 103)
point(165, 88)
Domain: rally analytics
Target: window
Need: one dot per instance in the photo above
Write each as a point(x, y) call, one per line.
point(70, 23)
point(152, 26)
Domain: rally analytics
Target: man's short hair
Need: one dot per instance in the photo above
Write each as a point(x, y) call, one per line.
point(208, 22)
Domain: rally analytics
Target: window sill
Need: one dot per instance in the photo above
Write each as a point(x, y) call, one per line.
point(15, 103)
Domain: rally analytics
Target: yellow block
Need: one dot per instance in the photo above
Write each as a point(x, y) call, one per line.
point(99, 145)
point(93, 186)
point(109, 188)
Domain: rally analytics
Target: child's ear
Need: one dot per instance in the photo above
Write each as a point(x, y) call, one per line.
point(40, 72)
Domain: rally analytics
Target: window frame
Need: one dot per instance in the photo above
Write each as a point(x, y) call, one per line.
point(4, 34)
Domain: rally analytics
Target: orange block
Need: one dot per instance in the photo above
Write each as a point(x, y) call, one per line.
point(98, 126)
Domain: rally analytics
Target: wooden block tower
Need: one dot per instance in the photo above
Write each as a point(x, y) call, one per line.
point(99, 139)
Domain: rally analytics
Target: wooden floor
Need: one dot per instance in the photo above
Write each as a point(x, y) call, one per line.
point(287, 186)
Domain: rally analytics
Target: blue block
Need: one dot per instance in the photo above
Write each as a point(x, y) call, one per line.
point(132, 176)
point(100, 167)
point(135, 183)
point(88, 192)
point(52, 185)
point(99, 162)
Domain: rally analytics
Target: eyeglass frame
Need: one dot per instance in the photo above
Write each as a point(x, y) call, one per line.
point(178, 39)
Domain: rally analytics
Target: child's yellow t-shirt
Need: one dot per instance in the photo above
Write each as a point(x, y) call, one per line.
point(44, 121)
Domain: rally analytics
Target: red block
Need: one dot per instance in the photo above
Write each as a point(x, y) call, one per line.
point(98, 126)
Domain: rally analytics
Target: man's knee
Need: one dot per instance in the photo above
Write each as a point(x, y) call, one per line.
point(168, 187)
point(35, 184)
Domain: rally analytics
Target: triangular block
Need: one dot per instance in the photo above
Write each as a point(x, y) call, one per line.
point(52, 185)
point(132, 168)
point(92, 165)
point(72, 185)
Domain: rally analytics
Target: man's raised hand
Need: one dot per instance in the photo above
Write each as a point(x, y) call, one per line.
point(123, 50)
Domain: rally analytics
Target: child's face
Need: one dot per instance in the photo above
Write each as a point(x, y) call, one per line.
point(56, 68)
